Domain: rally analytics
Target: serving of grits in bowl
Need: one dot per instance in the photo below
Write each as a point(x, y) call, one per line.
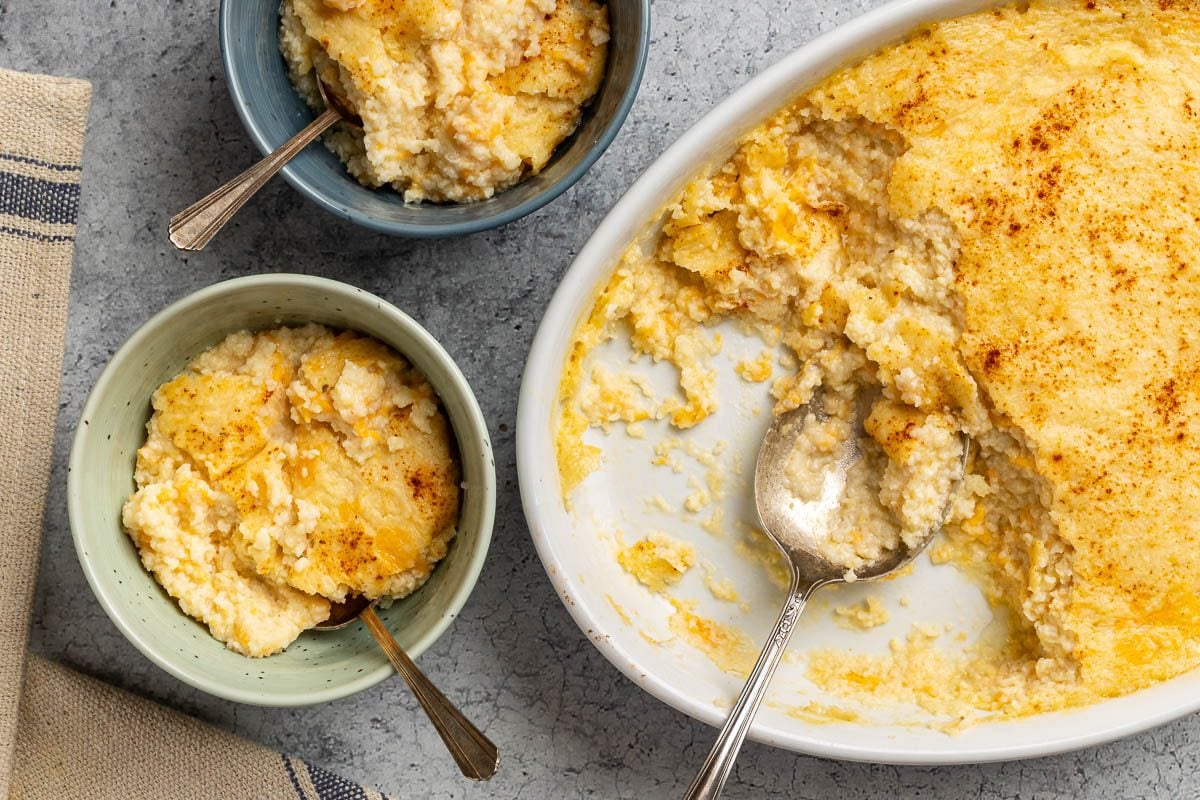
point(286, 470)
point(474, 112)
point(262, 449)
point(979, 219)
point(458, 100)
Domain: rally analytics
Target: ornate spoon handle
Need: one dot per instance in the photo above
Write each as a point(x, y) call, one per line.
point(196, 225)
point(475, 754)
point(715, 771)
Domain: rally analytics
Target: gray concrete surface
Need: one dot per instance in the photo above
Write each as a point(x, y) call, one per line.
point(162, 133)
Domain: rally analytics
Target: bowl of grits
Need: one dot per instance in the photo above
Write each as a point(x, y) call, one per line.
point(261, 450)
point(474, 114)
point(939, 208)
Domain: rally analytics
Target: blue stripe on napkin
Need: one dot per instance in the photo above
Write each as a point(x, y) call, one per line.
point(38, 237)
point(37, 162)
point(324, 785)
point(291, 773)
point(333, 787)
point(54, 202)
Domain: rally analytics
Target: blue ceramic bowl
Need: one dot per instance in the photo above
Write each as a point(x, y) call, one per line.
point(272, 113)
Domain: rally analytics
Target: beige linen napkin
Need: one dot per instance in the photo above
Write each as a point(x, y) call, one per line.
point(65, 734)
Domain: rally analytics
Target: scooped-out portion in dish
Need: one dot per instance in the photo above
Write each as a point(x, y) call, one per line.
point(288, 469)
point(459, 99)
point(992, 227)
point(889, 500)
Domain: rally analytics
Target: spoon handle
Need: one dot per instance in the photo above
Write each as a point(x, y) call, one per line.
point(475, 754)
point(715, 771)
point(196, 225)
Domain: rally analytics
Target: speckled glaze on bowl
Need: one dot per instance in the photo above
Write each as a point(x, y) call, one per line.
point(318, 666)
point(272, 113)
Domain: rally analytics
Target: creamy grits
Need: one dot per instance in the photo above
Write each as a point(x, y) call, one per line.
point(287, 469)
point(459, 99)
point(991, 229)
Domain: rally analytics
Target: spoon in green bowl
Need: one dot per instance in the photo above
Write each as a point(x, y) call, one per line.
point(799, 528)
point(195, 226)
point(474, 753)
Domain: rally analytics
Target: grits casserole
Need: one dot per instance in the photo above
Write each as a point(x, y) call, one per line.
point(285, 470)
point(989, 228)
point(459, 99)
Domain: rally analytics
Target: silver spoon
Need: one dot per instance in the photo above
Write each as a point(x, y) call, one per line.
point(196, 225)
point(474, 753)
point(794, 526)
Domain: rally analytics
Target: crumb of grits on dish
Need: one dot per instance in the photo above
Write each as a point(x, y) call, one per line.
point(658, 560)
point(718, 587)
point(990, 228)
point(726, 646)
point(757, 370)
point(821, 714)
point(459, 99)
point(287, 469)
point(868, 613)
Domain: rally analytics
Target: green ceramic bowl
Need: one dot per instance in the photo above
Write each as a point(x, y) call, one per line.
point(318, 666)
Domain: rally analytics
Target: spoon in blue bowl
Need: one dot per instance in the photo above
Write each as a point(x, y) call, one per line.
point(195, 226)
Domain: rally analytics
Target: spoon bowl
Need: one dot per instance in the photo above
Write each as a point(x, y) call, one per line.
point(799, 526)
point(344, 614)
point(334, 100)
